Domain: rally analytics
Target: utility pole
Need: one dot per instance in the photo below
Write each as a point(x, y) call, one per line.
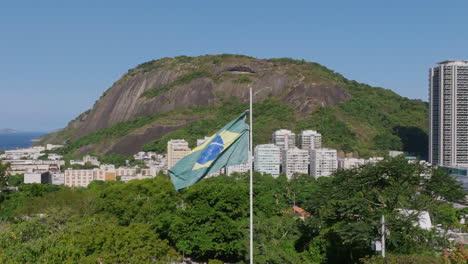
point(382, 220)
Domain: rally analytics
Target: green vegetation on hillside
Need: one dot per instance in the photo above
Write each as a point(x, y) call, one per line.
point(372, 122)
point(146, 221)
point(269, 115)
point(124, 128)
point(184, 79)
point(241, 80)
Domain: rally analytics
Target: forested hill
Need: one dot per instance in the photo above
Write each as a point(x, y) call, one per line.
point(191, 97)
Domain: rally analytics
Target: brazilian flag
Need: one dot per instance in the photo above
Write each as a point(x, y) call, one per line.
point(229, 146)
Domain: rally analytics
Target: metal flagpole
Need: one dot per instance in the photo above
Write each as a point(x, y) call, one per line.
point(251, 179)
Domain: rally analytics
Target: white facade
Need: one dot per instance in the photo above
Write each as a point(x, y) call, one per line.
point(53, 156)
point(176, 150)
point(310, 139)
point(92, 160)
point(24, 166)
point(448, 113)
point(144, 156)
point(30, 153)
point(395, 153)
point(38, 177)
point(241, 168)
point(77, 162)
point(52, 147)
point(423, 218)
point(295, 160)
point(81, 178)
point(348, 163)
point(58, 178)
point(323, 162)
point(267, 159)
point(284, 139)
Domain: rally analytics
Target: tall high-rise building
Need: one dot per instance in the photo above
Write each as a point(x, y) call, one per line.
point(295, 160)
point(310, 139)
point(267, 159)
point(176, 150)
point(448, 113)
point(323, 162)
point(285, 139)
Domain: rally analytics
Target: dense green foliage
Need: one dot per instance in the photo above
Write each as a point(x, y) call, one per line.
point(15, 179)
point(269, 115)
point(4, 174)
point(242, 79)
point(146, 221)
point(184, 79)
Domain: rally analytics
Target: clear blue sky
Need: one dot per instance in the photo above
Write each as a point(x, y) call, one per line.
point(57, 57)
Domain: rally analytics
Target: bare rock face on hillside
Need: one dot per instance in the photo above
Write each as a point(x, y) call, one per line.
point(229, 77)
point(172, 83)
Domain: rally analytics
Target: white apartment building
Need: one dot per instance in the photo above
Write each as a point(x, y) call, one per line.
point(144, 156)
point(176, 150)
point(448, 113)
point(133, 171)
point(310, 139)
point(81, 178)
point(58, 178)
point(323, 162)
point(53, 156)
point(241, 168)
point(91, 160)
point(41, 177)
point(284, 139)
point(29, 153)
point(348, 163)
point(295, 160)
point(267, 159)
point(77, 162)
point(24, 166)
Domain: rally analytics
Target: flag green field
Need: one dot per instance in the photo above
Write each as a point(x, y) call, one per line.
point(229, 146)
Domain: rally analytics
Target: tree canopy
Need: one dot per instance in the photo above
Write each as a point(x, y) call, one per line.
point(147, 221)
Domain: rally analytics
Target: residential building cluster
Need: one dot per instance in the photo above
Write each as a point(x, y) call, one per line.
point(81, 178)
point(27, 153)
point(281, 156)
point(39, 165)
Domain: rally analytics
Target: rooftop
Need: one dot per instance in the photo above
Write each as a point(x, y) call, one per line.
point(454, 62)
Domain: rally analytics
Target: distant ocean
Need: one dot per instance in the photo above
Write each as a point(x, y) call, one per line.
point(18, 140)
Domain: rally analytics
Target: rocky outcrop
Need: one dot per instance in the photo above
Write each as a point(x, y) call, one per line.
point(172, 83)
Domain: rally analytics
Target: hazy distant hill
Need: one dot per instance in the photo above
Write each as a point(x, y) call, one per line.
point(7, 131)
point(190, 97)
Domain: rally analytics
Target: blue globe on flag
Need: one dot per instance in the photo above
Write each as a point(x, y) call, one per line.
point(212, 150)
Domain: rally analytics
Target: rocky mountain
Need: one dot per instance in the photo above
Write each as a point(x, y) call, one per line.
point(191, 97)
